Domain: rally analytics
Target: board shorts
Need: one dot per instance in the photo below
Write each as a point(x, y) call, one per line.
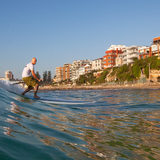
point(30, 81)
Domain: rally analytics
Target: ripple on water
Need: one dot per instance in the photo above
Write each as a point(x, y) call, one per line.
point(122, 124)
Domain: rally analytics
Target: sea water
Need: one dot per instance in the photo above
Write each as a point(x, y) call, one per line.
point(122, 124)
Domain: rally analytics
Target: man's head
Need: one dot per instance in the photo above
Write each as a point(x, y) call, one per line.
point(34, 60)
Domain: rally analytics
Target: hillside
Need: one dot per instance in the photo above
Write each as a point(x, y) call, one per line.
point(125, 73)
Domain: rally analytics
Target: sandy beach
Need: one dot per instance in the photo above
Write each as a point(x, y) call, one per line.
point(97, 87)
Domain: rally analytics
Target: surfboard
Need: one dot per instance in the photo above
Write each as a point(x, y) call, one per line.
point(57, 101)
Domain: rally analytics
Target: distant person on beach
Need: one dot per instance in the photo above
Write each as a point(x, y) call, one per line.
point(30, 79)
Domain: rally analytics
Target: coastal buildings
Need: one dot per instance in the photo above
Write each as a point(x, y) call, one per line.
point(72, 71)
point(109, 60)
point(115, 56)
point(129, 53)
point(66, 72)
point(153, 50)
point(144, 52)
point(97, 64)
point(79, 67)
point(156, 47)
point(63, 73)
point(156, 40)
point(9, 75)
point(59, 74)
point(119, 60)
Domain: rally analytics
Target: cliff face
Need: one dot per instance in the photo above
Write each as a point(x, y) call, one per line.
point(154, 75)
point(111, 76)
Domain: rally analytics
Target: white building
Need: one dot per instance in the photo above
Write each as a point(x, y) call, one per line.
point(8, 75)
point(155, 49)
point(77, 68)
point(88, 68)
point(97, 64)
point(114, 47)
point(119, 60)
point(129, 53)
point(80, 71)
point(143, 49)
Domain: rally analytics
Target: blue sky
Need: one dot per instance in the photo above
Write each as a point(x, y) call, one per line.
point(61, 31)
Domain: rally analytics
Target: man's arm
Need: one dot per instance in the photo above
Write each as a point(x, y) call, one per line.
point(34, 75)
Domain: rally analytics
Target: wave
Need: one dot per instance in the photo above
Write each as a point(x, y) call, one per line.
point(120, 125)
point(11, 87)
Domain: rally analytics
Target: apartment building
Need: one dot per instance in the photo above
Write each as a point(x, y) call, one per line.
point(155, 47)
point(59, 74)
point(144, 52)
point(63, 73)
point(109, 60)
point(80, 72)
point(129, 53)
point(78, 68)
point(66, 72)
point(156, 40)
point(119, 60)
point(114, 47)
point(153, 50)
point(8, 75)
point(97, 64)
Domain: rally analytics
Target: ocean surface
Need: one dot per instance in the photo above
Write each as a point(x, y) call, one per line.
point(119, 125)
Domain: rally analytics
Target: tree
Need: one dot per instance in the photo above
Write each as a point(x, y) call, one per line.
point(102, 77)
point(45, 76)
point(49, 77)
point(38, 75)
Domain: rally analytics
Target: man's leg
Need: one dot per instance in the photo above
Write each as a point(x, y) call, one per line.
point(36, 90)
point(27, 90)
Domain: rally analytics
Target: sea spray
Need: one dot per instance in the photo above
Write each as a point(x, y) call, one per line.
point(9, 86)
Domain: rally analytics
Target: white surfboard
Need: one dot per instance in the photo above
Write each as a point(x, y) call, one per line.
point(57, 101)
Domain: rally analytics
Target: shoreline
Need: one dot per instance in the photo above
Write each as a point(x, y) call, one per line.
point(103, 87)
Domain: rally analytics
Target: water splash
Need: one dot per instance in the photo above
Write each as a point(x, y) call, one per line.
point(11, 87)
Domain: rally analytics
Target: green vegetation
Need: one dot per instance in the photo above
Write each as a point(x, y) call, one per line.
point(101, 79)
point(47, 79)
point(86, 79)
point(131, 72)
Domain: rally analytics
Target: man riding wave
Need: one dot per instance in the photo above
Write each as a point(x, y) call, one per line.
point(30, 79)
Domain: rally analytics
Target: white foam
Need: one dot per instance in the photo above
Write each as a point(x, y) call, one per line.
point(9, 86)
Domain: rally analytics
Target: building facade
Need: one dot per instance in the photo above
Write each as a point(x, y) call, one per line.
point(119, 60)
point(156, 40)
point(9, 75)
point(156, 46)
point(66, 72)
point(153, 50)
point(109, 60)
point(78, 68)
point(129, 53)
point(59, 74)
point(63, 73)
point(97, 64)
point(144, 52)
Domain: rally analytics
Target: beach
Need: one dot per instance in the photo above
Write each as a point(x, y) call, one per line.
point(97, 87)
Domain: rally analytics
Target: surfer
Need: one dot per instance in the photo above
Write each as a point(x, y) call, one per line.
point(30, 79)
